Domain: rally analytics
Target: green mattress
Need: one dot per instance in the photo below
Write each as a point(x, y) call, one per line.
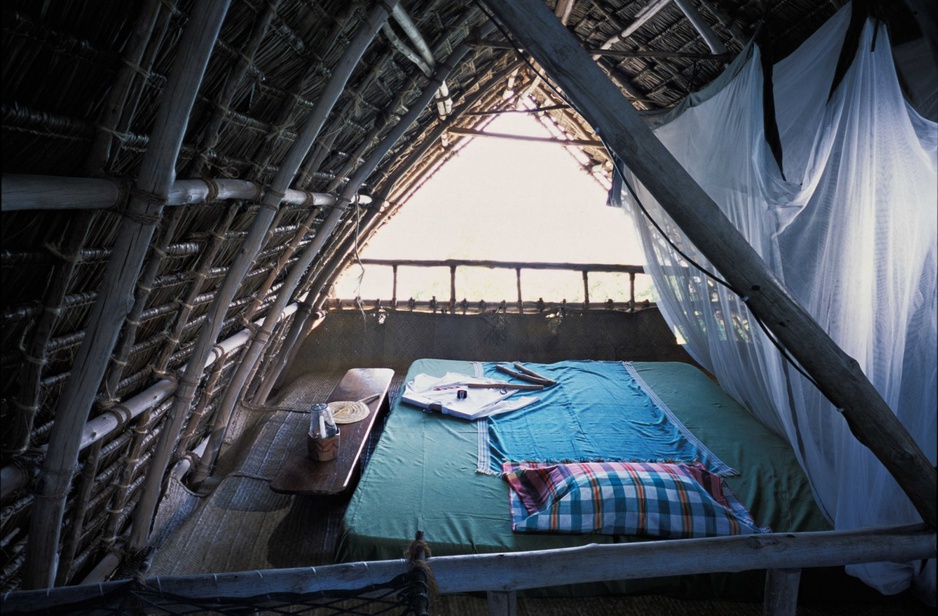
point(422, 476)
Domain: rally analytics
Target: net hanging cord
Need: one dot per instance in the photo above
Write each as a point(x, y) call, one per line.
point(618, 170)
point(358, 260)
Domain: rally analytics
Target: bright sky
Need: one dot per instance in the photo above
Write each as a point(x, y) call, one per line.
point(501, 200)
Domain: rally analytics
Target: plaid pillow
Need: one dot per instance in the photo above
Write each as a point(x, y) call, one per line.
point(665, 501)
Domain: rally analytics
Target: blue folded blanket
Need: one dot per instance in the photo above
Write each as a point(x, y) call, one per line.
point(597, 411)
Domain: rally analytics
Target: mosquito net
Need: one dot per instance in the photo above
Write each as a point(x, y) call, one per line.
point(846, 217)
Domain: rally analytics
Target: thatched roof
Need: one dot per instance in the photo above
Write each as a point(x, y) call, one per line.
point(92, 97)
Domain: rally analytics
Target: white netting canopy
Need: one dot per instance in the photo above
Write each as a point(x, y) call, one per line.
point(850, 227)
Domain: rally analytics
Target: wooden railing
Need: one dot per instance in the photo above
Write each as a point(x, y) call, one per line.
point(520, 305)
point(501, 575)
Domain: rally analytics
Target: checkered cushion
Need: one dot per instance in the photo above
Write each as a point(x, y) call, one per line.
point(665, 501)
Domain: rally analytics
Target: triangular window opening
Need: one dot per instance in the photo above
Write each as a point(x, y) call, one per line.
point(509, 201)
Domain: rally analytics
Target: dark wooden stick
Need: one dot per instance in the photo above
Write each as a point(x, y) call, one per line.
point(530, 372)
point(503, 386)
point(525, 377)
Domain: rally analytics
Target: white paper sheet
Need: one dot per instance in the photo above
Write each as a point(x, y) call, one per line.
point(427, 392)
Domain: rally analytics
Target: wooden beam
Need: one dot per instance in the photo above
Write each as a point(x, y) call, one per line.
point(468, 132)
point(504, 111)
point(536, 265)
point(641, 18)
point(41, 192)
point(701, 26)
point(839, 376)
point(509, 572)
point(648, 559)
point(563, 10)
point(627, 53)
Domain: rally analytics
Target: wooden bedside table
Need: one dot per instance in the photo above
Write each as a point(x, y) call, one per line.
point(300, 475)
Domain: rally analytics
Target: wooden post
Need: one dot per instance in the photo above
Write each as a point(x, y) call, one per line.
point(631, 291)
point(502, 603)
point(518, 283)
point(781, 592)
point(113, 303)
point(586, 290)
point(839, 376)
point(145, 285)
point(85, 486)
point(452, 286)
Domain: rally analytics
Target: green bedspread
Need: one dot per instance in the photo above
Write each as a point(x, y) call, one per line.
point(422, 476)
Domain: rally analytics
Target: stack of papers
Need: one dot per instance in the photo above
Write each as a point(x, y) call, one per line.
point(442, 394)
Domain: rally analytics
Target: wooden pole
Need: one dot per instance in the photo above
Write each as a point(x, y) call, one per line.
point(839, 376)
point(508, 572)
point(648, 559)
point(625, 53)
point(586, 290)
point(199, 277)
point(319, 280)
point(39, 192)
point(113, 302)
point(143, 515)
point(781, 592)
point(518, 285)
point(468, 132)
point(145, 284)
point(452, 286)
point(535, 265)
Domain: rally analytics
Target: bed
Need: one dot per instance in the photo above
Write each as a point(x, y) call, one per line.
point(428, 473)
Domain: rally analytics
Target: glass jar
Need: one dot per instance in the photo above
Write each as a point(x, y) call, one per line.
point(321, 422)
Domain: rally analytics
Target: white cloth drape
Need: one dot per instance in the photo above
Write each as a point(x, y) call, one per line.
point(851, 228)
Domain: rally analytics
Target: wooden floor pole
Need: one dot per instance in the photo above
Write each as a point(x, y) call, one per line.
point(114, 299)
point(611, 115)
